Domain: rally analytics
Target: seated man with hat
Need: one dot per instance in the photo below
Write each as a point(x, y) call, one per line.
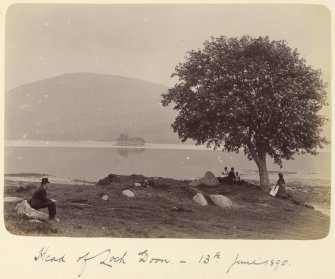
point(40, 200)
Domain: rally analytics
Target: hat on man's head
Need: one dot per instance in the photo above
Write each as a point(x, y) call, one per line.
point(44, 180)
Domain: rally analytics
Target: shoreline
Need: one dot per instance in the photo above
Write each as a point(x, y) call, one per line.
point(101, 144)
point(110, 144)
point(34, 177)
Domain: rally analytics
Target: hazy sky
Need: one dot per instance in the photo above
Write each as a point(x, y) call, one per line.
point(147, 41)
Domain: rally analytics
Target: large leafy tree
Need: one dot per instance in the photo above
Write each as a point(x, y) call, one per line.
point(249, 94)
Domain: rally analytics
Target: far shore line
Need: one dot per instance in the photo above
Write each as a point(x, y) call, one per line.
point(99, 144)
point(109, 144)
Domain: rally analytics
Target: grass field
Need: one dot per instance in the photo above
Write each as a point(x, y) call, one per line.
point(166, 210)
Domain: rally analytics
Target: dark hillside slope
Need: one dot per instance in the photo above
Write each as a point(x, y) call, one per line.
point(85, 106)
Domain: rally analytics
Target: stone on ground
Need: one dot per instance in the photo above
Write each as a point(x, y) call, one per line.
point(209, 179)
point(138, 184)
point(128, 193)
point(24, 208)
point(105, 197)
point(200, 199)
point(221, 201)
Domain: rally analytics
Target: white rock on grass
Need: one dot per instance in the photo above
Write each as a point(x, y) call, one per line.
point(138, 184)
point(128, 193)
point(105, 197)
point(200, 199)
point(221, 201)
point(24, 208)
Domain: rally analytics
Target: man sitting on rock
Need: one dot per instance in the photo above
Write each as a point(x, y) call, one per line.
point(40, 199)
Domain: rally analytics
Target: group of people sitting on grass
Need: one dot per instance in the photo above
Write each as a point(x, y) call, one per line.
point(234, 177)
point(231, 176)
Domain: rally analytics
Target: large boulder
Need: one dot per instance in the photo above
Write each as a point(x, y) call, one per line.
point(209, 179)
point(108, 180)
point(24, 208)
point(200, 199)
point(221, 201)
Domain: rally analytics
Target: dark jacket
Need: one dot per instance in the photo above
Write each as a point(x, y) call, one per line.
point(231, 176)
point(281, 184)
point(39, 198)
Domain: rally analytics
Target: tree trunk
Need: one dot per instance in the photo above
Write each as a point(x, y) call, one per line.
point(262, 169)
point(263, 173)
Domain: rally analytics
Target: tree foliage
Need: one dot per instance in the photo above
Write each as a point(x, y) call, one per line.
point(249, 93)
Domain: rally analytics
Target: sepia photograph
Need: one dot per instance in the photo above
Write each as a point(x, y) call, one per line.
point(178, 121)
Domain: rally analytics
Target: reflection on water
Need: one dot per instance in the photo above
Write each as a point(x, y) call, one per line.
point(124, 152)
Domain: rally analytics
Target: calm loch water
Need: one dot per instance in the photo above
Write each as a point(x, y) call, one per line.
point(95, 160)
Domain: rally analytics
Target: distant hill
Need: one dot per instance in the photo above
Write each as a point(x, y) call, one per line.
point(86, 106)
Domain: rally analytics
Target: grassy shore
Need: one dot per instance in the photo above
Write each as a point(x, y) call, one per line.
point(166, 210)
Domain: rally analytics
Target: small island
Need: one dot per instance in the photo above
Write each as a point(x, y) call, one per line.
point(125, 140)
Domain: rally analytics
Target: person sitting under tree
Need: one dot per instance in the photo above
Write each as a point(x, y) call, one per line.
point(225, 172)
point(231, 175)
point(40, 200)
point(237, 176)
point(281, 184)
